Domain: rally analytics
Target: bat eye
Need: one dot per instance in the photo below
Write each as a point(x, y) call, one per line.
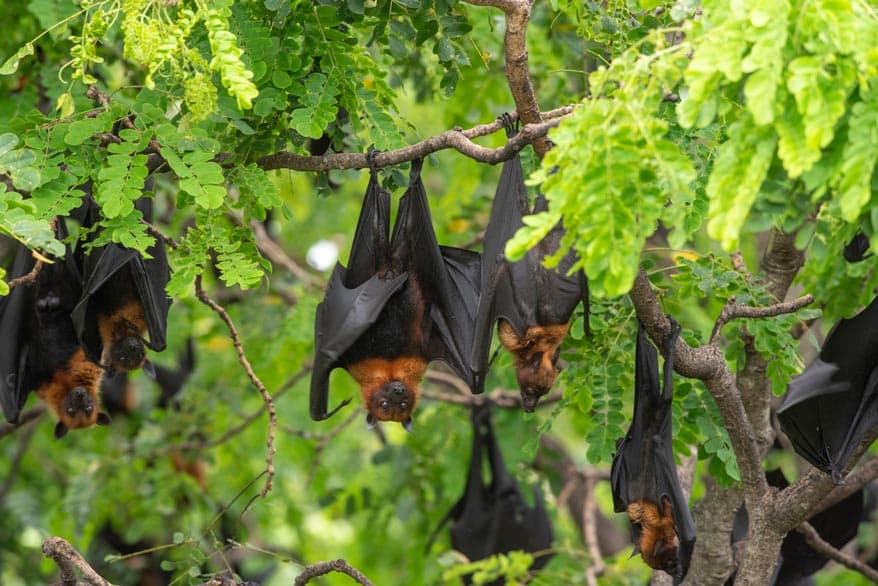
point(71, 411)
point(88, 410)
point(404, 405)
point(385, 405)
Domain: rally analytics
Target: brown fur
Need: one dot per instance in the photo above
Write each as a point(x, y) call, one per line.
point(535, 357)
point(128, 320)
point(194, 467)
point(77, 372)
point(373, 373)
point(658, 536)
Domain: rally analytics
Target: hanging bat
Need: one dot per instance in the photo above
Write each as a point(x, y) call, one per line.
point(829, 408)
point(40, 352)
point(532, 303)
point(492, 518)
point(402, 302)
point(123, 299)
point(643, 474)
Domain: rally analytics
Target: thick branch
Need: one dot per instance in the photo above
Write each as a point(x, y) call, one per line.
point(23, 419)
point(322, 568)
point(68, 560)
point(517, 72)
point(817, 543)
point(29, 278)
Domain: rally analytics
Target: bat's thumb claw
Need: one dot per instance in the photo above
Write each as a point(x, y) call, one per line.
point(149, 369)
point(370, 422)
point(407, 425)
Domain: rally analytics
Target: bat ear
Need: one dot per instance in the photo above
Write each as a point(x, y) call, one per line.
point(407, 425)
point(149, 369)
point(370, 422)
point(103, 419)
point(60, 430)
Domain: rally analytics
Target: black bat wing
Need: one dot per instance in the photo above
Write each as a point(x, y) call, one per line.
point(98, 267)
point(830, 407)
point(449, 277)
point(19, 357)
point(354, 296)
point(15, 313)
point(498, 296)
point(524, 293)
point(643, 466)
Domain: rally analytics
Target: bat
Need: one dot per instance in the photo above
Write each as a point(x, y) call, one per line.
point(643, 474)
point(41, 352)
point(493, 518)
point(836, 525)
point(123, 299)
point(829, 408)
point(402, 302)
point(857, 250)
point(533, 304)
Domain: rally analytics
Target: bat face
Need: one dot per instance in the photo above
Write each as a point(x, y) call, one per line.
point(72, 394)
point(389, 387)
point(658, 538)
point(121, 334)
point(536, 356)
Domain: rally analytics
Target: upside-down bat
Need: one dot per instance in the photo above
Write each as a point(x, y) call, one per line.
point(123, 299)
point(492, 518)
point(402, 302)
point(831, 406)
point(40, 350)
point(644, 476)
point(532, 303)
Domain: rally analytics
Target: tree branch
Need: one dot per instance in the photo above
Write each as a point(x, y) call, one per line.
point(322, 568)
point(23, 419)
point(456, 139)
point(29, 278)
point(68, 560)
point(732, 310)
point(517, 71)
point(813, 539)
point(260, 386)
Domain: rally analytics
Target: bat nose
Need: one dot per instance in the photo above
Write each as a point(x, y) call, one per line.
point(529, 401)
point(396, 390)
point(79, 394)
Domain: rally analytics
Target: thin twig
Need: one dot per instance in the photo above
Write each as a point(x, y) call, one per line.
point(321, 568)
point(456, 139)
point(813, 539)
point(68, 560)
point(499, 398)
point(273, 251)
point(23, 419)
point(29, 278)
point(260, 386)
point(590, 534)
point(732, 310)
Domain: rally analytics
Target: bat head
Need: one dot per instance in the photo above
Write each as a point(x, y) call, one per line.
point(392, 401)
point(127, 353)
point(79, 409)
point(665, 554)
point(536, 357)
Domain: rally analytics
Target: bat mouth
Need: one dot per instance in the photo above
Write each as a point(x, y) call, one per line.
point(530, 398)
point(128, 353)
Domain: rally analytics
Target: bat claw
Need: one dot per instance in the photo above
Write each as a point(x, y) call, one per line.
point(149, 369)
point(370, 422)
point(407, 424)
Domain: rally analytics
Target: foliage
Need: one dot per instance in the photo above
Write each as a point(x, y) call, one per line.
point(698, 130)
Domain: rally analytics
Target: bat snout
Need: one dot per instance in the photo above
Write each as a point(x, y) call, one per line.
point(128, 353)
point(530, 397)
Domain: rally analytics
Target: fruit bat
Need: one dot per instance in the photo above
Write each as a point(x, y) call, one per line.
point(532, 303)
point(857, 250)
point(40, 351)
point(644, 476)
point(837, 526)
point(829, 408)
point(123, 299)
point(493, 518)
point(402, 302)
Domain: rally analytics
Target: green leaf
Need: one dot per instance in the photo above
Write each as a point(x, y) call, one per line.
point(10, 66)
point(737, 176)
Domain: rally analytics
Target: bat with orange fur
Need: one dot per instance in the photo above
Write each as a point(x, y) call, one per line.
point(41, 352)
point(402, 302)
point(123, 299)
point(644, 475)
point(532, 303)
